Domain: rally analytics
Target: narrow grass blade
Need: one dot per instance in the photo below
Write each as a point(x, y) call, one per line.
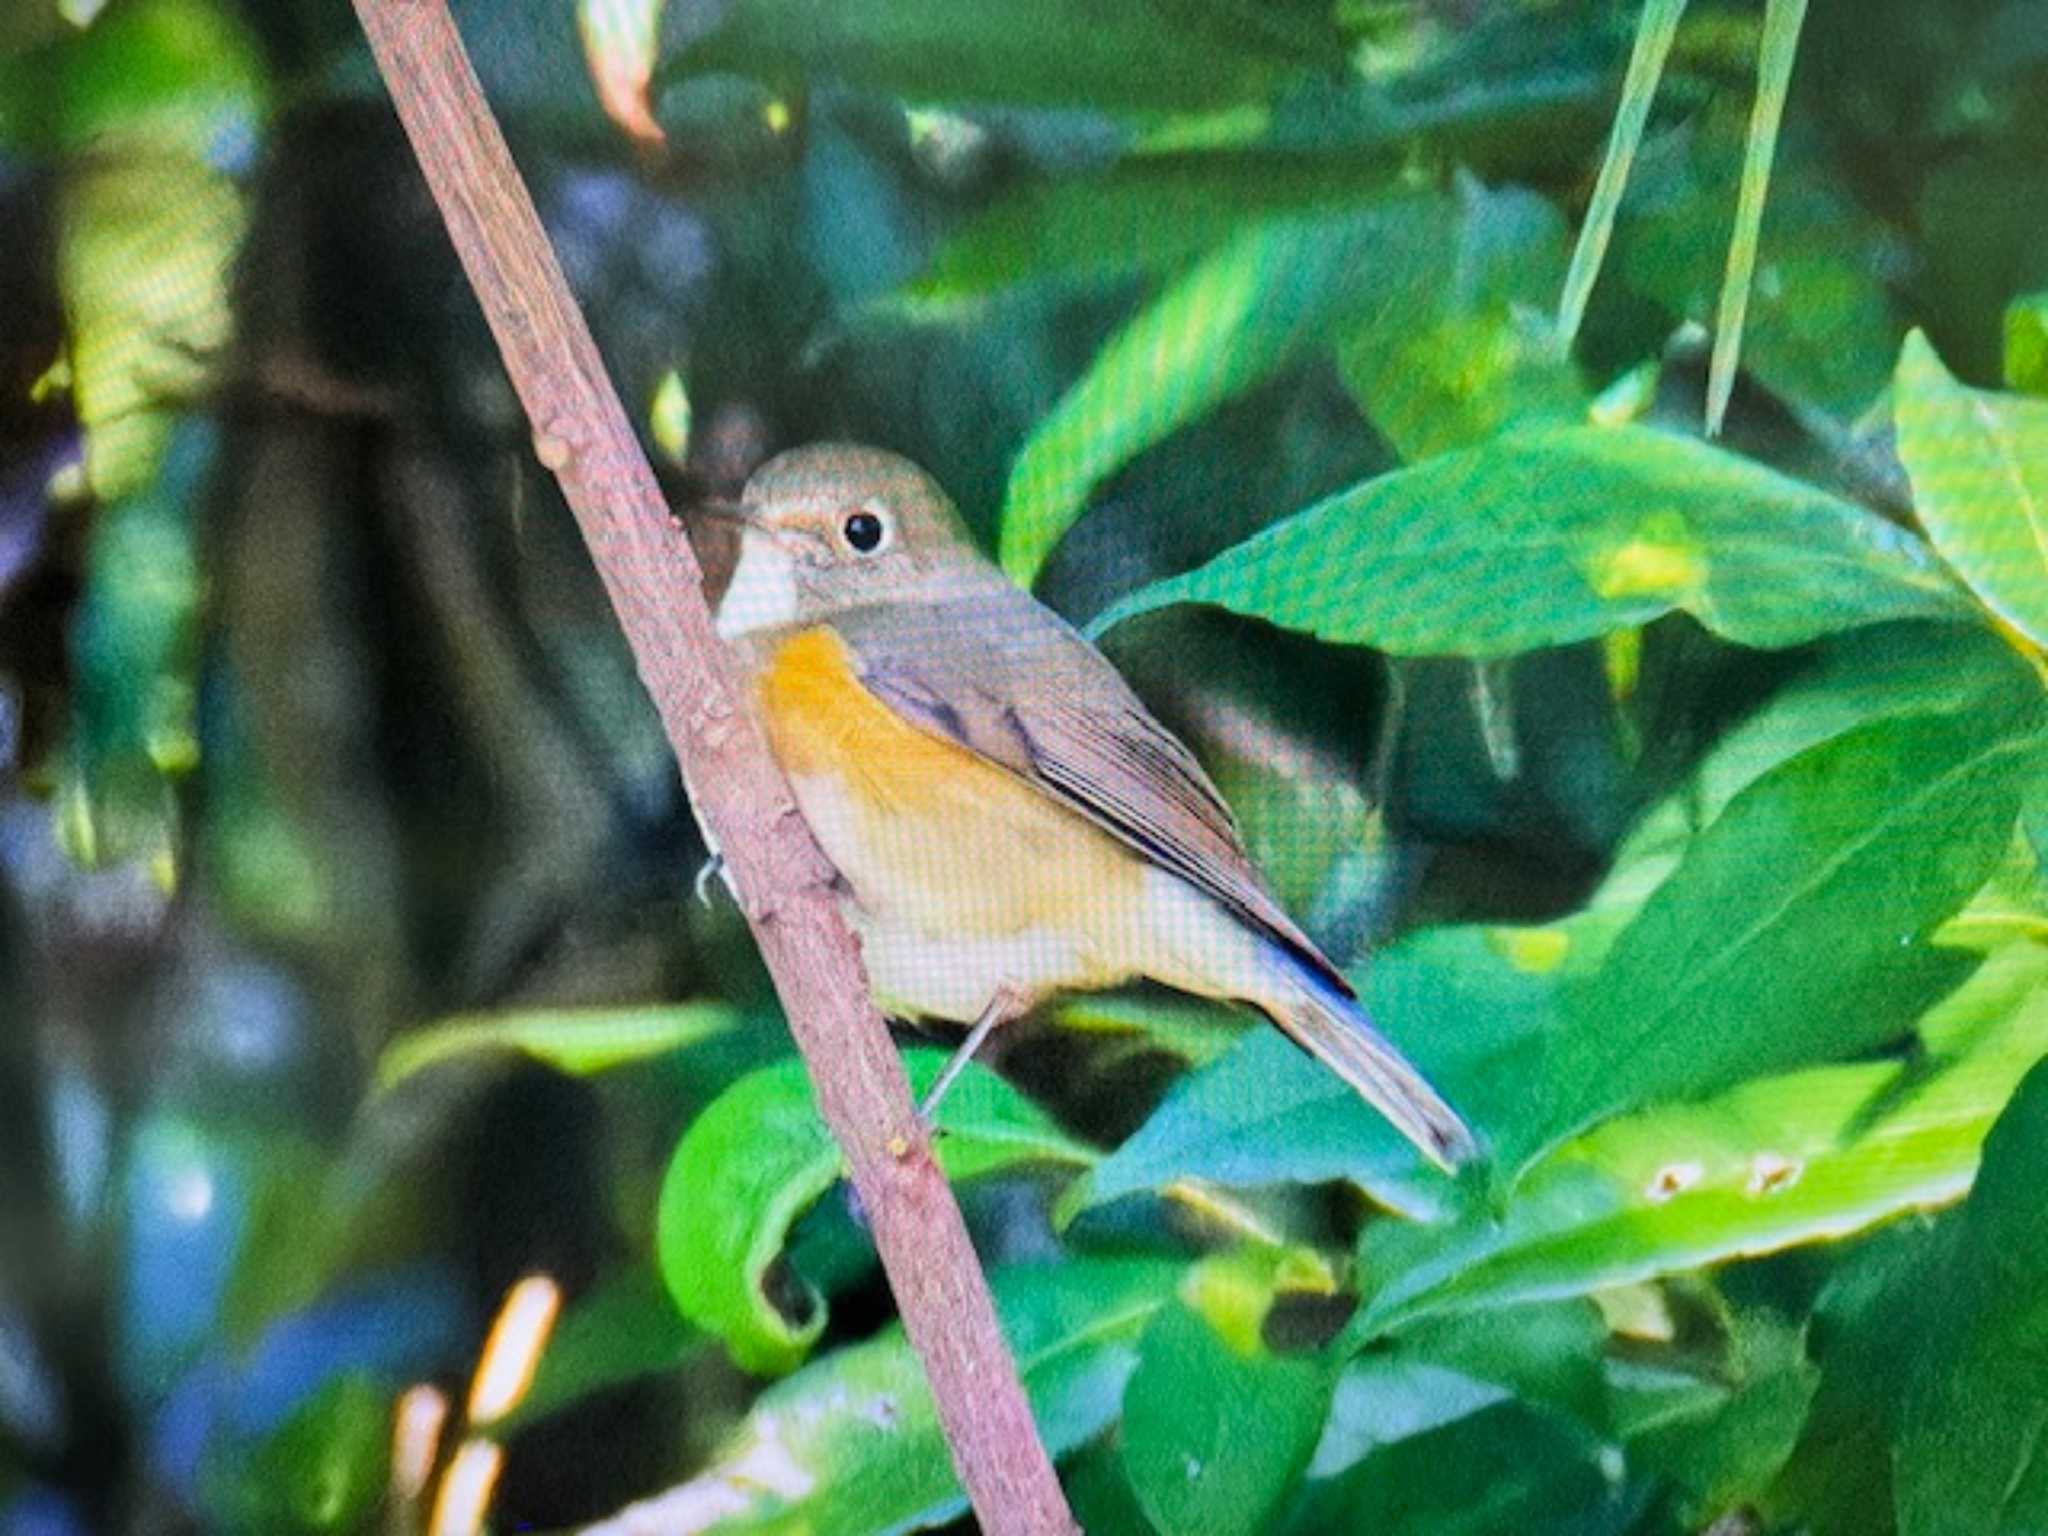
point(1645, 68)
point(1782, 20)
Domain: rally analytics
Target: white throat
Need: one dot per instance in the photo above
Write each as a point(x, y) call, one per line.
point(762, 594)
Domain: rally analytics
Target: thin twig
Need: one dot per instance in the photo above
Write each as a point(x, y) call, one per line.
point(582, 433)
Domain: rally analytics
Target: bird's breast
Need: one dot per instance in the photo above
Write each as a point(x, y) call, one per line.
point(927, 833)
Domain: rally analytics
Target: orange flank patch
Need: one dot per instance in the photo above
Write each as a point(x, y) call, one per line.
point(926, 832)
point(823, 721)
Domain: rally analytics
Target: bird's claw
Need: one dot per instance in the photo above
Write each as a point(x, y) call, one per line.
point(708, 871)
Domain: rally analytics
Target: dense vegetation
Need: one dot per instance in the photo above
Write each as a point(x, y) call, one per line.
point(1687, 790)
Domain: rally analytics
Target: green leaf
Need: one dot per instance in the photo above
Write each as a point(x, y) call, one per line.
point(1545, 1354)
point(1195, 1032)
point(1386, 1396)
point(1459, 1000)
point(1184, 55)
point(1459, 349)
point(1507, 1468)
point(1264, 297)
point(579, 1041)
point(759, 1156)
point(2026, 344)
point(145, 244)
point(1099, 1494)
point(1819, 328)
point(1148, 213)
point(1848, 682)
point(1794, 927)
point(1724, 1446)
point(1979, 467)
point(850, 1445)
point(135, 650)
point(1805, 1157)
point(322, 1470)
point(162, 77)
point(155, 103)
point(1867, 1323)
point(1213, 1438)
point(1554, 535)
point(1969, 1449)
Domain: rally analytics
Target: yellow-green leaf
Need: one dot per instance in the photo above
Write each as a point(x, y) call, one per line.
point(575, 1040)
point(1979, 466)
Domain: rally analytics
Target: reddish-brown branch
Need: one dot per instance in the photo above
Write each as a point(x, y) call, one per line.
point(582, 433)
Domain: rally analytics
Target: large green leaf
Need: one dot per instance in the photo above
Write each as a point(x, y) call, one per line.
point(1479, 1007)
point(1969, 1456)
point(1979, 466)
point(1265, 296)
point(1215, 1432)
point(1552, 535)
point(1158, 55)
point(1805, 1157)
point(1794, 928)
point(850, 1445)
point(579, 1041)
point(759, 1156)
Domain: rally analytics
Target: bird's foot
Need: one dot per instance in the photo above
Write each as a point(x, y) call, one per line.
point(708, 871)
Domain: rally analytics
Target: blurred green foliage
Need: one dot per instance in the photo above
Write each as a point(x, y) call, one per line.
point(1689, 795)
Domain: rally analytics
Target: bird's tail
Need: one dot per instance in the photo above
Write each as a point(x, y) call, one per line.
point(1335, 1028)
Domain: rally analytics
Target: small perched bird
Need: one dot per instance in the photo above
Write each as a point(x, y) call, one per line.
point(1008, 821)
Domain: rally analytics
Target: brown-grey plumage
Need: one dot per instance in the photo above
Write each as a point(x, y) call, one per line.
point(863, 548)
point(1078, 733)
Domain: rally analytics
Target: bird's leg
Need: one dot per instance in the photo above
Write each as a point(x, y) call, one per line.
point(1010, 1001)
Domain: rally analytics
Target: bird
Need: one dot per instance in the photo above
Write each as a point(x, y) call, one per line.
point(1007, 821)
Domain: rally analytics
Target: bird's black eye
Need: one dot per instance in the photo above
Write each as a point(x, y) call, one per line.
point(863, 532)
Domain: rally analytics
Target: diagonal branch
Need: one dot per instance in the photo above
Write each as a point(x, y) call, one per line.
point(582, 433)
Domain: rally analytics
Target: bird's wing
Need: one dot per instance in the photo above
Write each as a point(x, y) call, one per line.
point(958, 670)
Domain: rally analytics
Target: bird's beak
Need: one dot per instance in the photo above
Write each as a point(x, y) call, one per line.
point(755, 517)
